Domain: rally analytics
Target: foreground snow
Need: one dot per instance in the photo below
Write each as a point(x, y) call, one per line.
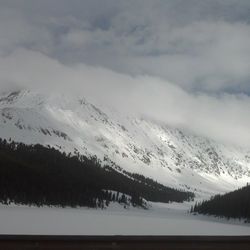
point(160, 219)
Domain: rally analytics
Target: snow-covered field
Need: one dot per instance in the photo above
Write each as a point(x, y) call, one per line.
point(160, 219)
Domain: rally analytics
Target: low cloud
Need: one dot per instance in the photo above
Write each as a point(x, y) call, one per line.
point(223, 117)
point(185, 63)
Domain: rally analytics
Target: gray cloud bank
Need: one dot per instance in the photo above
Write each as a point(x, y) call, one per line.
point(184, 62)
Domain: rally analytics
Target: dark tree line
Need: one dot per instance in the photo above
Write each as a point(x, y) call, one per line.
point(235, 204)
point(159, 189)
point(38, 175)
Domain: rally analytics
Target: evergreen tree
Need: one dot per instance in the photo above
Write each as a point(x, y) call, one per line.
point(38, 175)
point(235, 204)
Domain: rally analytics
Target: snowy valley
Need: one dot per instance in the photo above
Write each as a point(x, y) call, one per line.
point(129, 144)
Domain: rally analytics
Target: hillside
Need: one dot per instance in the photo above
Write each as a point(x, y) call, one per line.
point(235, 204)
point(127, 142)
point(36, 175)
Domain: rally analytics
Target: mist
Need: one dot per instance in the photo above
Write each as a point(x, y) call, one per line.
point(222, 118)
point(183, 63)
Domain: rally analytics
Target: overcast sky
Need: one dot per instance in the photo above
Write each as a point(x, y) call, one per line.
point(183, 62)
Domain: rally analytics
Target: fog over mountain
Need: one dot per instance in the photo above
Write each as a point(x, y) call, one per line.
point(184, 63)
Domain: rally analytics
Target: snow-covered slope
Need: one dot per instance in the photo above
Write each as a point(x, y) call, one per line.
point(171, 156)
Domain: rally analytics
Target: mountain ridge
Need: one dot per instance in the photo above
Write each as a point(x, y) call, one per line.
point(171, 156)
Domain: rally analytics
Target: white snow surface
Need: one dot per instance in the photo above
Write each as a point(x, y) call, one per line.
point(160, 219)
point(171, 156)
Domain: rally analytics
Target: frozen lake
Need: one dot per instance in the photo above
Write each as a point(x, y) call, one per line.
point(160, 219)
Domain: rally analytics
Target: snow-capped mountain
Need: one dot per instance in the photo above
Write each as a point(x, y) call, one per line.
point(173, 157)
